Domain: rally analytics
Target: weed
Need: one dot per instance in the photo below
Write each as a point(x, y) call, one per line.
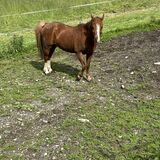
point(12, 48)
point(16, 44)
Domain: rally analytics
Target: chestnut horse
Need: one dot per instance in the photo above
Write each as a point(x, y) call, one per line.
point(81, 39)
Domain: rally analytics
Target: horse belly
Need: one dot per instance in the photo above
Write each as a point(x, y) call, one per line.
point(66, 41)
point(66, 46)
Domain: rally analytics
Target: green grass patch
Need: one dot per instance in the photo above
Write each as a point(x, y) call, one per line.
point(131, 22)
point(23, 44)
point(90, 120)
point(62, 11)
point(137, 87)
point(114, 132)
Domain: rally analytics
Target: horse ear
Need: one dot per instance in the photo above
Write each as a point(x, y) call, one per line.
point(92, 16)
point(103, 16)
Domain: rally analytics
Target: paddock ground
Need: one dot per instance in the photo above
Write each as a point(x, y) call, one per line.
point(116, 116)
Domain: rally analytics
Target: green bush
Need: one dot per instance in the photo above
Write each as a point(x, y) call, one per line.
point(13, 47)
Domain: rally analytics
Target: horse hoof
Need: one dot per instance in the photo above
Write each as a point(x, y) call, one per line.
point(50, 70)
point(47, 70)
point(89, 78)
point(79, 78)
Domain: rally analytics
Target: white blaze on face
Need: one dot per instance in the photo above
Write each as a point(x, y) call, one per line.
point(98, 32)
point(47, 67)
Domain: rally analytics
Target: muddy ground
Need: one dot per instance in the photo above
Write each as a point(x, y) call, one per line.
point(46, 127)
point(130, 60)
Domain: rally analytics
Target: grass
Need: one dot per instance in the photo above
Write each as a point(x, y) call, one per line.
point(41, 115)
point(116, 25)
point(146, 18)
point(116, 129)
point(16, 23)
point(114, 135)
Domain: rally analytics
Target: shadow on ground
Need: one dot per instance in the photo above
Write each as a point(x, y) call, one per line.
point(57, 67)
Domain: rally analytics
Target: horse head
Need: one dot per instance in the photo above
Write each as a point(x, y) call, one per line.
point(97, 26)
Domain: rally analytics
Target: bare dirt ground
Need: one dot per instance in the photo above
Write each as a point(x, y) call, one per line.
point(124, 76)
point(130, 60)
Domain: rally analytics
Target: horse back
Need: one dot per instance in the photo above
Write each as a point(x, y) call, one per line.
point(68, 38)
point(71, 39)
point(50, 32)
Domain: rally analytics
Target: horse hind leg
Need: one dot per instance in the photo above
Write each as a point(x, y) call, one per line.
point(47, 67)
point(47, 58)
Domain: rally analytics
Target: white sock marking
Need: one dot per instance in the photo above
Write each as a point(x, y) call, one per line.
point(98, 32)
point(47, 67)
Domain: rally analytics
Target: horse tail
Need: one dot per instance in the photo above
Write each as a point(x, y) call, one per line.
point(39, 38)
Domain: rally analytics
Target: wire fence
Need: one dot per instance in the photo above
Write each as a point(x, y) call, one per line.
point(42, 11)
point(50, 10)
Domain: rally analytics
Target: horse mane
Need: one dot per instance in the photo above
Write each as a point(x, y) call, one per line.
point(87, 26)
point(89, 29)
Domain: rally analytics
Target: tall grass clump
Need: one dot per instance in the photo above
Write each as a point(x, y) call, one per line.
point(14, 47)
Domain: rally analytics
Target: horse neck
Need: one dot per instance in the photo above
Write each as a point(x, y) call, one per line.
point(90, 35)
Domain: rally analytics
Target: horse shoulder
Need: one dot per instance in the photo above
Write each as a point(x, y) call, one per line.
point(79, 39)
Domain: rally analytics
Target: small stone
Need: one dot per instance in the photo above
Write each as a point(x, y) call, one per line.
point(45, 154)
point(154, 71)
point(112, 104)
point(19, 119)
point(34, 154)
point(157, 63)
point(53, 158)
point(119, 136)
point(45, 121)
point(83, 120)
point(122, 86)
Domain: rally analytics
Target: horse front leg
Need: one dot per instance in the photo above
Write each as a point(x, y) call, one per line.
point(80, 58)
point(88, 61)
